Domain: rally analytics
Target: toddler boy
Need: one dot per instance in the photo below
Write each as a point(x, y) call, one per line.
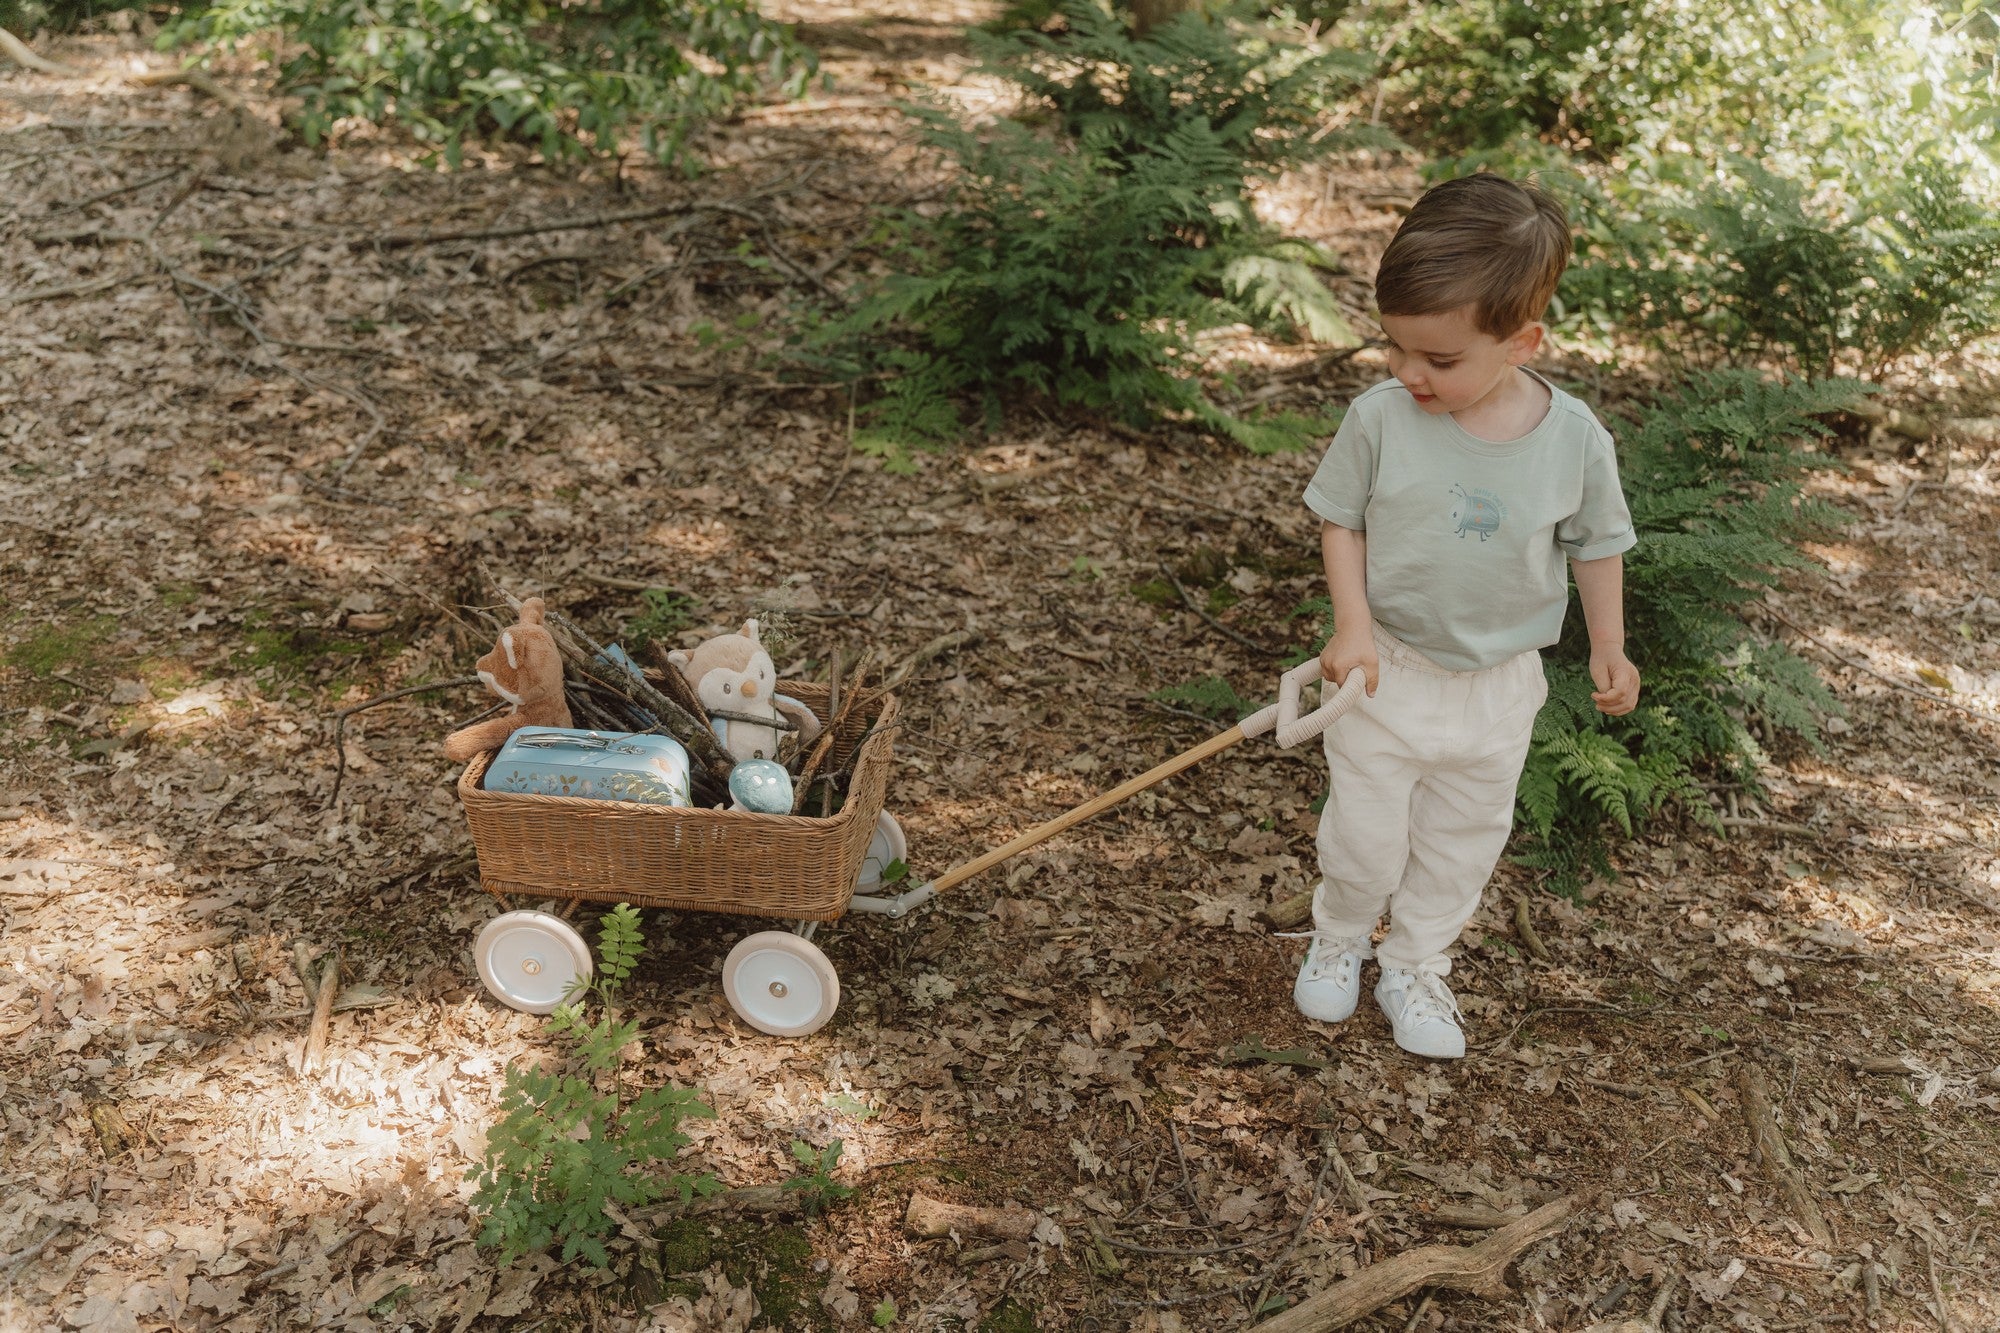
point(1449, 500)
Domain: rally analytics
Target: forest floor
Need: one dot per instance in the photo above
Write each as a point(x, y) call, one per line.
point(266, 423)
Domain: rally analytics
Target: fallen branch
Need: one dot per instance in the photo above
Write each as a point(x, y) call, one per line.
point(85, 288)
point(1479, 1269)
point(293, 1265)
point(1768, 825)
point(396, 240)
point(1858, 665)
point(1524, 926)
point(314, 1053)
point(10, 1263)
point(1470, 1216)
point(17, 51)
point(340, 725)
point(1769, 1145)
point(934, 1217)
point(938, 647)
point(748, 1201)
point(130, 187)
point(1187, 599)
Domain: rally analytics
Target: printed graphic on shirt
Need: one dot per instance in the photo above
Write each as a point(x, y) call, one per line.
point(1477, 510)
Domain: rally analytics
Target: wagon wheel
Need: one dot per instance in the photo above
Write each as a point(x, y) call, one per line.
point(885, 847)
point(532, 961)
point(780, 983)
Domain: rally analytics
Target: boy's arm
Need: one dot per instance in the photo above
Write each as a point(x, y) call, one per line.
point(1600, 586)
point(1345, 551)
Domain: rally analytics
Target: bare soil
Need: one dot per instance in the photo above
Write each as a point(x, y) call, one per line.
point(260, 438)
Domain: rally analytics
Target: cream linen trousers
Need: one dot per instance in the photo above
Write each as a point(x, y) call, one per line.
point(1422, 799)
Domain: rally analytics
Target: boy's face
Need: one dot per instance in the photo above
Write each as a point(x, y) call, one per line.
point(1447, 364)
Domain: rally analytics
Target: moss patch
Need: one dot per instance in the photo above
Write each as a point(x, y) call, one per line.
point(774, 1262)
point(1010, 1316)
point(53, 648)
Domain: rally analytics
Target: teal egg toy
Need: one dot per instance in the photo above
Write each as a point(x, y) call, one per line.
point(762, 786)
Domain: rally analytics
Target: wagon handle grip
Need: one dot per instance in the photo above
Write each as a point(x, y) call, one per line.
point(1283, 716)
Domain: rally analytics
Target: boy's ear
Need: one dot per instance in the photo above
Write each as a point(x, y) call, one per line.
point(1524, 346)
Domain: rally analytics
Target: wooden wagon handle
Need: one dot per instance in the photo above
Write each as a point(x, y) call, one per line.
point(1041, 833)
point(1282, 717)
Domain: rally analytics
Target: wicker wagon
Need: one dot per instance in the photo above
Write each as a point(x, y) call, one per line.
point(801, 868)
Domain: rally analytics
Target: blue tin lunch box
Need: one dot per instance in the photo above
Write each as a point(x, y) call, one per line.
point(591, 765)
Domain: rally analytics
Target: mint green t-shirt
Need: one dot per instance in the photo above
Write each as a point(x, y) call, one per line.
point(1467, 537)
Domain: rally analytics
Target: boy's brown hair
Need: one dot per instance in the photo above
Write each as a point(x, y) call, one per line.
point(1482, 241)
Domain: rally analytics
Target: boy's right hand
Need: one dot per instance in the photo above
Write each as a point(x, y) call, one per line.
point(1344, 652)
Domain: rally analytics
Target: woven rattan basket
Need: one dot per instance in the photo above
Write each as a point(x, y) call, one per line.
point(679, 857)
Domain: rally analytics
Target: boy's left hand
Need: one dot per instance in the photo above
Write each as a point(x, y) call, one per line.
point(1617, 681)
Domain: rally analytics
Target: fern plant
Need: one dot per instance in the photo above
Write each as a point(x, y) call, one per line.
point(1089, 241)
point(570, 1147)
point(1761, 265)
point(1210, 696)
point(1712, 471)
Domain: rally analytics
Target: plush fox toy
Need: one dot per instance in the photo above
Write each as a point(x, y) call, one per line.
point(733, 677)
point(525, 669)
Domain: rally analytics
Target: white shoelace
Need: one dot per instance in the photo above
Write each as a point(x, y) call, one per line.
point(1332, 955)
point(1428, 998)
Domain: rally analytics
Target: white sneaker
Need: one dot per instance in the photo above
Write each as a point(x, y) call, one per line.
point(1422, 1012)
point(1329, 984)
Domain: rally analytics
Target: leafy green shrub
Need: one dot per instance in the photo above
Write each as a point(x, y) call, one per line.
point(1754, 265)
point(1088, 243)
point(1812, 191)
point(563, 1151)
point(817, 1189)
point(573, 78)
point(668, 612)
point(1832, 82)
point(1712, 471)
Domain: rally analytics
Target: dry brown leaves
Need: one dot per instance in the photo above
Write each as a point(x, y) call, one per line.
point(249, 474)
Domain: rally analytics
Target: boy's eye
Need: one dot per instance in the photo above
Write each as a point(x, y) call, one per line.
point(1443, 365)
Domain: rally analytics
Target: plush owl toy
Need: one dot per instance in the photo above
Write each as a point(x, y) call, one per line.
point(733, 677)
point(525, 669)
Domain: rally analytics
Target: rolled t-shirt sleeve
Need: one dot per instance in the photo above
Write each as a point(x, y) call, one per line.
point(1602, 524)
point(1339, 490)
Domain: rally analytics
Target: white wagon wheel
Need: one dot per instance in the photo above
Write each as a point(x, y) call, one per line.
point(885, 847)
point(532, 961)
point(780, 983)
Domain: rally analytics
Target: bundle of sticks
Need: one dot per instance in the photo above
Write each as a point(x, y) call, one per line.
point(605, 695)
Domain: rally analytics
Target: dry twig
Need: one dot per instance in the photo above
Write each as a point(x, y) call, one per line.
point(1524, 926)
point(1859, 665)
point(1187, 599)
point(1480, 1269)
point(1769, 1145)
point(313, 1054)
point(340, 725)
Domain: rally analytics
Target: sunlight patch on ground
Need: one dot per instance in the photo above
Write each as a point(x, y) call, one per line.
point(1893, 658)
